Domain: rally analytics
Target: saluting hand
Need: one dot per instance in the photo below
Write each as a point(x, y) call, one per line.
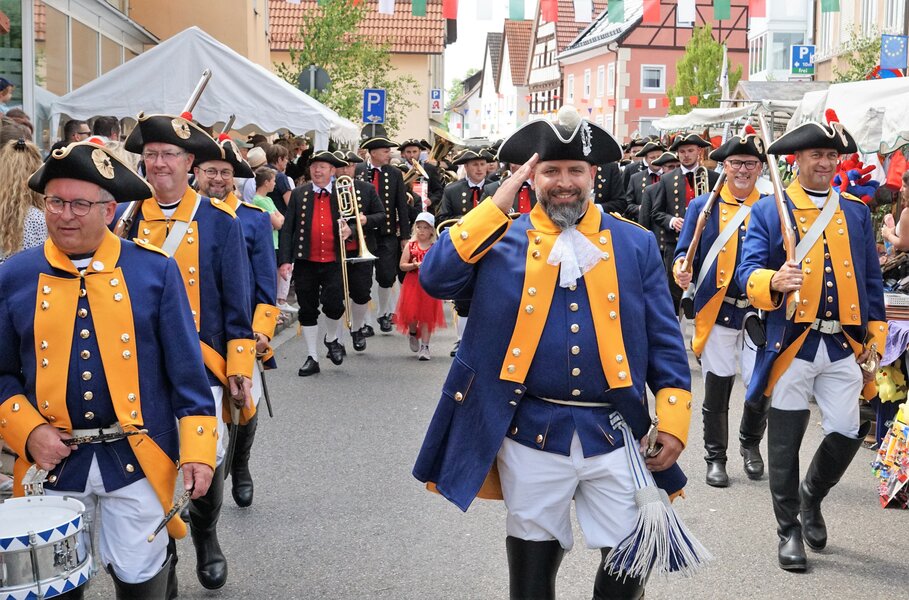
point(504, 196)
point(46, 448)
point(788, 278)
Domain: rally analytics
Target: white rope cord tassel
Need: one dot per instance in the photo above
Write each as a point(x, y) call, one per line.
point(660, 543)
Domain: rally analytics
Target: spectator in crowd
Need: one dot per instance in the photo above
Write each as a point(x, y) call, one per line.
point(108, 128)
point(256, 158)
point(21, 117)
point(6, 94)
point(265, 183)
point(21, 210)
point(74, 130)
point(298, 165)
point(277, 157)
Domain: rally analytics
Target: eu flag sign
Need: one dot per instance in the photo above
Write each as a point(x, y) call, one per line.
point(894, 51)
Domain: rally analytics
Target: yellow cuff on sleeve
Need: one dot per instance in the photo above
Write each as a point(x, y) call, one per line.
point(759, 291)
point(18, 418)
point(198, 440)
point(877, 334)
point(265, 319)
point(475, 229)
point(673, 408)
point(241, 357)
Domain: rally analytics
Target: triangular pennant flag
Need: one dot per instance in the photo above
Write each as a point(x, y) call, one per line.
point(583, 11)
point(62, 529)
point(68, 585)
point(5, 542)
point(419, 8)
point(651, 11)
point(721, 10)
point(449, 9)
point(615, 12)
point(757, 9)
point(386, 7)
point(828, 6)
point(45, 535)
point(516, 10)
point(23, 539)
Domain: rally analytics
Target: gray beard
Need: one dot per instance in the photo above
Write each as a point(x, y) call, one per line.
point(564, 215)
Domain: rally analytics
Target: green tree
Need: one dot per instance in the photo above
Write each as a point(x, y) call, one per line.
point(860, 55)
point(328, 38)
point(698, 72)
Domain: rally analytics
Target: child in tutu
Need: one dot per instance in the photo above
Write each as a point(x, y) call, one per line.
point(418, 313)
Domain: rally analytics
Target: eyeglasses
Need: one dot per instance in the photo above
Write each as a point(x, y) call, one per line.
point(224, 173)
point(84, 132)
point(750, 165)
point(165, 156)
point(79, 207)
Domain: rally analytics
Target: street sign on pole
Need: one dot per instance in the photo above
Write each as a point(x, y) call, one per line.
point(373, 106)
point(435, 101)
point(802, 60)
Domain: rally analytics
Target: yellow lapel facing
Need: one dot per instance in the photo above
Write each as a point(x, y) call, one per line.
point(728, 208)
point(232, 201)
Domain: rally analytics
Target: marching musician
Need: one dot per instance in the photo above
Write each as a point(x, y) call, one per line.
point(632, 149)
point(206, 239)
point(410, 151)
point(520, 409)
point(359, 274)
point(98, 339)
point(666, 163)
point(838, 325)
point(608, 190)
point(673, 194)
point(215, 179)
point(309, 247)
point(524, 200)
point(459, 198)
point(642, 179)
point(724, 317)
point(390, 237)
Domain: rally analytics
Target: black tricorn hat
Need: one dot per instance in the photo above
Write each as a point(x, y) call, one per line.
point(649, 147)
point(688, 138)
point(326, 156)
point(168, 129)
point(571, 138)
point(749, 143)
point(815, 135)
point(411, 142)
point(664, 158)
point(468, 154)
point(90, 161)
point(373, 136)
point(635, 142)
point(349, 155)
point(489, 153)
point(230, 153)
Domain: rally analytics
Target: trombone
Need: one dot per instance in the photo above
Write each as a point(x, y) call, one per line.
point(349, 208)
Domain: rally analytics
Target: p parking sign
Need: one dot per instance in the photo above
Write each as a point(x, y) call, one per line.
point(802, 60)
point(373, 105)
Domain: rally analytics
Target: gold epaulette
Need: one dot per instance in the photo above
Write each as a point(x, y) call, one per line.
point(849, 196)
point(223, 206)
point(621, 218)
point(253, 206)
point(142, 243)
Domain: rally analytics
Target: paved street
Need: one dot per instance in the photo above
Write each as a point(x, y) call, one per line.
point(337, 514)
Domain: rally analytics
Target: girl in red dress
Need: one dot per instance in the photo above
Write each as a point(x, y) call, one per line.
point(418, 313)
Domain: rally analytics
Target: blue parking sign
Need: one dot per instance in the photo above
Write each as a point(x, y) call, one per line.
point(373, 106)
point(802, 60)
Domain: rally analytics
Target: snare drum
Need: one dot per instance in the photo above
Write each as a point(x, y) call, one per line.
point(42, 549)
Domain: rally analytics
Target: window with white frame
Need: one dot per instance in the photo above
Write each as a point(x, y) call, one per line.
point(869, 16)
point(601, 81)
point(894, 16)
point(610, 79)
point(569, 89)
point(825, 35)
point(586, 90)
point(607, 124)
point(646, 127)
point(653, 79)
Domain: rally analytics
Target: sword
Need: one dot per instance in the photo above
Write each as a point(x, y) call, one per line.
point(232, 429)
point(102, 437)
point(177, 507)
point(265, 388)
point(653, 449)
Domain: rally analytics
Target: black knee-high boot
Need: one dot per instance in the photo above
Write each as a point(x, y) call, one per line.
point(240, 477)
point(532, 568)
point(211, 564)
point(615, 587)
point(827, 467)
point(716, 426)
point(785, 431)
point(153, 589)
point(751, 431)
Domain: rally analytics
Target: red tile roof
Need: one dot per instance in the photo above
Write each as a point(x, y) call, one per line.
point(566, 27)
point(404, 33)
point(517, 36)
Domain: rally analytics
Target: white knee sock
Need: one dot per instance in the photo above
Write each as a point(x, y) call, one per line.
point(462, 324)
point(331, 329)
point(311, 335)
point(357, 315)
point(384, 306)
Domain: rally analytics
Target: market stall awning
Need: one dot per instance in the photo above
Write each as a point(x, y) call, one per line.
point(699, 118)
point(161, 79)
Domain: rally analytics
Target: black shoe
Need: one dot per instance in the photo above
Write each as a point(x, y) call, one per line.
point(716, 474)
point(792, 551)
point(454, 351)
point(607, 586)
point(785, 431)
point(751, 431)
point(367, 331)
point(211, 564)
point(240, 477)
point(358, 340)
point(716, 426)
point(310, 367)
point(384, 323)
point(335, 351)
point(754, 464)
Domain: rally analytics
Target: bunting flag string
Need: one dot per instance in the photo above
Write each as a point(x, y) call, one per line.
point(449, 9)
point(386, 7)
point(418, 8)
point(615, 13)
point(757, 9)
point(722, 10)
point(828, 6)
point(549, 10)
point(652, 12)
point(515, 10)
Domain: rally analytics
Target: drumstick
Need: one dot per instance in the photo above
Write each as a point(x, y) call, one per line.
point(178, 506)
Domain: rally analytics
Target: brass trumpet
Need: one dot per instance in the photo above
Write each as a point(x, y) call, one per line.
point(349, 208)
point(416, 171)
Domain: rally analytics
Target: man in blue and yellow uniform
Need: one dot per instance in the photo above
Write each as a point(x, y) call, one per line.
point(837, 325)
point(98, 338)
point(722, 312)
point(519, 410)
point(215, 179)
point(206, 239)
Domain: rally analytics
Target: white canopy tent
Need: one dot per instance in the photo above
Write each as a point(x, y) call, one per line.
point(160, 80)
point(873, 111)
point(699, 118)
